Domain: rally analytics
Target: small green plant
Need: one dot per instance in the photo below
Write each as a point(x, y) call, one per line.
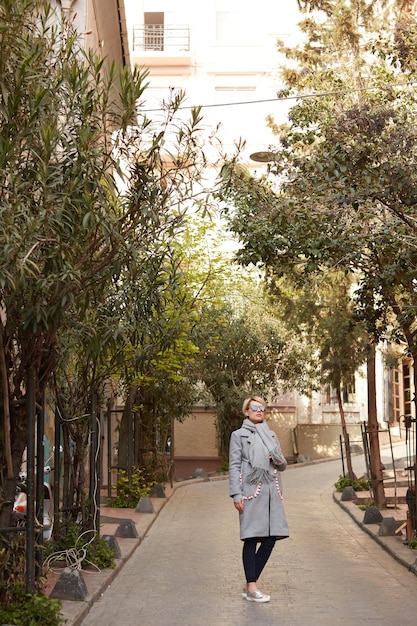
point(363, 507)
point(360, 484)
point(101, 554)
point(131, 490)
point(12, 570)
point(96, 552)
point(32, 610)
point(412, 544)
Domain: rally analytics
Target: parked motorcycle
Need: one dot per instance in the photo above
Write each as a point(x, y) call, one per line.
point(20, 504)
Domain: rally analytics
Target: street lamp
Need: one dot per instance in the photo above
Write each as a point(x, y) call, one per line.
point(262, 157)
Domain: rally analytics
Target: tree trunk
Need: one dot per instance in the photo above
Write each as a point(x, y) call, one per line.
point(18, 434)
point(414, 355)
point(375, 464)
point(126, 433)
point(6, 412)
point(351, 473)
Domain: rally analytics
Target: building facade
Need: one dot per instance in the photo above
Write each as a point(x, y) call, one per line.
point(102, 26)
point(221, 52)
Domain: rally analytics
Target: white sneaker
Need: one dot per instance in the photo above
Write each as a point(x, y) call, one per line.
point(257, 596)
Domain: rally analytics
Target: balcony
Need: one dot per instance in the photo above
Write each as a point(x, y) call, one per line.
point(161, 44)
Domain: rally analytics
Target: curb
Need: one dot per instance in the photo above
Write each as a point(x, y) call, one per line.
point(393, 545)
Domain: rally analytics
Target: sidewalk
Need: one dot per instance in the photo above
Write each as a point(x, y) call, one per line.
point(74, 612)
point(394, 545)
point(397, 509)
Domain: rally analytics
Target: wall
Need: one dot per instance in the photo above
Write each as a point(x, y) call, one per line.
point(195, 444)
point(283, 422)
point(238, 67)
point(195, 439)
point(319, 441)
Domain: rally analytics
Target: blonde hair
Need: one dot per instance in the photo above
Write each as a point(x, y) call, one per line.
point(245, 405)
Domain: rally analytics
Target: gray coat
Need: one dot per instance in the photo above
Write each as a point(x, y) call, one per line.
point(263, 513)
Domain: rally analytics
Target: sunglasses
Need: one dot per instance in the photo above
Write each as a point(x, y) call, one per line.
point(257, 407)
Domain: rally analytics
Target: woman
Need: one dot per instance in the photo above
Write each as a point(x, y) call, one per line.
point(255, 460)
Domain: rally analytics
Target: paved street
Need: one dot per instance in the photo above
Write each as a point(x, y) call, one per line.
point(188, 572)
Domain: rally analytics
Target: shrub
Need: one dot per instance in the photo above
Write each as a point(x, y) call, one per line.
point(130, 491)
point(13, 569)
point(360, 484)
point(364, 507)
point(32, 610)
point(224, 466)
point(73, 545)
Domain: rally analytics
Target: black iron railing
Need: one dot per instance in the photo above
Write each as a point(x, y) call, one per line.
point(411, 468)
point(161, 38)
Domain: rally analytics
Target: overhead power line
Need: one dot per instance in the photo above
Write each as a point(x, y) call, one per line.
point(299, 96)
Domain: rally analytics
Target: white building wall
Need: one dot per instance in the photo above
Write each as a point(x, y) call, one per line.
point(239, 66)
point(314, 410)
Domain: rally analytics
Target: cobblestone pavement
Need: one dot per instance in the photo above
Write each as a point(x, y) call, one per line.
point(187, 571)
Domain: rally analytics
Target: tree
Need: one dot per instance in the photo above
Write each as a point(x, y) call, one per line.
point(238, 356)
point(344, 347)
point(346, 168)
point(70, 139)
point(242, 346)
point(155, 367)
point(321, 315)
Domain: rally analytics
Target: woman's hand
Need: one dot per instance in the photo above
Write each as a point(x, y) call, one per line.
point(239, 506)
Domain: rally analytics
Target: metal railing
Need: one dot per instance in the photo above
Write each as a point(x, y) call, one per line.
point(161, 38)
point(411, 468)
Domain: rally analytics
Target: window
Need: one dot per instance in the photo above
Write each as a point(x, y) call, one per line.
point(154, 31)
point(407, 389)
point(234, 119)
point(396, 404)
point(329, 395)
point(349, 393)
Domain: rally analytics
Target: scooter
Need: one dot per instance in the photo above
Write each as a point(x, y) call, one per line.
point(20, 504)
